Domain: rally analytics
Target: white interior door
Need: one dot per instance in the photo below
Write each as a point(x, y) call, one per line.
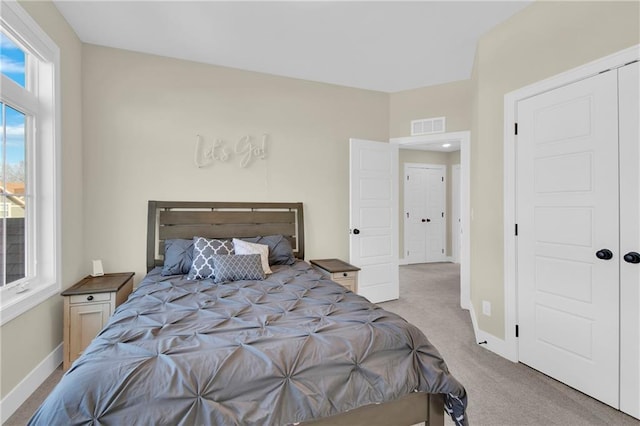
point(567, 212)
point(373, 241)
point(424, 216)
point(435, 220)
point(629, 94)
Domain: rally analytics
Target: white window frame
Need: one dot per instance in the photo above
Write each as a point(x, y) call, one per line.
point(42, 99)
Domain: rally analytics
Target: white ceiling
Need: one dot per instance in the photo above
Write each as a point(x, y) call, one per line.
point(385, 46)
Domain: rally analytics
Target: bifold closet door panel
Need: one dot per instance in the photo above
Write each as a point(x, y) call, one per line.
point(568, 228)
point(629, 117)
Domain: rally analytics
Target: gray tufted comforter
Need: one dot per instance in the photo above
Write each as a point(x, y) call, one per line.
point(287, 349)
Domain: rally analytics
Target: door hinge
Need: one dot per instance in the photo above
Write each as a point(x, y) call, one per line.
point(515, 128)
point(516, 229)
point(517, 331)
point(407, 177)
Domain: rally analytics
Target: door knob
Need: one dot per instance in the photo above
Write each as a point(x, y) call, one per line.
point(632, 257)
point(604, 254)
point(356, 231)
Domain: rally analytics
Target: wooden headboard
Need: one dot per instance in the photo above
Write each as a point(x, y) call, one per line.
point(186, 219)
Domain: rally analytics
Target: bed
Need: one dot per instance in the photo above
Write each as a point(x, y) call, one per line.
point(292, 348)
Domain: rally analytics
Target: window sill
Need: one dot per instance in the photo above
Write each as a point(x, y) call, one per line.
point(14, 304)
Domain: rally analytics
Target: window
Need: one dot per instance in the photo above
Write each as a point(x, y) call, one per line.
point(13, 196)
point(29, 140)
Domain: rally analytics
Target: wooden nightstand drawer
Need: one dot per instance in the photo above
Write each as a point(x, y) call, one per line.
point(88, 298)
point(350, 275)
point(349, 284)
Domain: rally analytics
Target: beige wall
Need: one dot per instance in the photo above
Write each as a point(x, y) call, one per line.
point(544, 39)
point(425, 157)
point(28, 339)
point(450, 100)
point(141, 114)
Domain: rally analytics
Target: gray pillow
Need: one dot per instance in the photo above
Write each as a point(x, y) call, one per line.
point(178, 257)
point(204, 249)
point(237, 267)
point(280, 251)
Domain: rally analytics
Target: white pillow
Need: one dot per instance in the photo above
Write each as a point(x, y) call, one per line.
point(244, 247)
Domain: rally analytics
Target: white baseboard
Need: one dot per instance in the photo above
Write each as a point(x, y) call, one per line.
point(29, 384)
point(474, 321)
point(404, 261)
point(489, 341)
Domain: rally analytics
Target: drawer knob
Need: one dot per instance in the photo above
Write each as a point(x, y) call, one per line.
point(344, 274)
point(89, 298)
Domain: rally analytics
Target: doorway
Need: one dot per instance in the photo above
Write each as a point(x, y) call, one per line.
point(461, 141)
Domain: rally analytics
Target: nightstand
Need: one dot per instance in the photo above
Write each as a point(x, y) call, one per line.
point(339, 271)
point(88, 305)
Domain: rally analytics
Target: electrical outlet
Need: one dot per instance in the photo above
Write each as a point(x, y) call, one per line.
point(486, 308)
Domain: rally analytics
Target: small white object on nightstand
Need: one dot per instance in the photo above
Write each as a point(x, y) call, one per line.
point(97, 269)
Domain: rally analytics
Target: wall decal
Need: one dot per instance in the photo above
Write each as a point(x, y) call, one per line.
point(205, 156)
point(246, 149)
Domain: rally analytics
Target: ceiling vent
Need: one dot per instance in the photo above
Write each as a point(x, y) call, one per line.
point(428, 126)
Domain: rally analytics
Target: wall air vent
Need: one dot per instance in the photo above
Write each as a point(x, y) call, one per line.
point(428, 126)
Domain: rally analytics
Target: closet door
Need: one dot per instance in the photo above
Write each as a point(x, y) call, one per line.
point(415, 205)
point(568, 228)
point(436, 224)
point(425, 223)
point(629, 239)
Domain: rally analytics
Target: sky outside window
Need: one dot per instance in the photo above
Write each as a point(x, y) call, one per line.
point(12, 157)
point(12, 60)
point(13, 145)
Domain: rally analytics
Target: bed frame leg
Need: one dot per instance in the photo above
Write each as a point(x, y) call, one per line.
point(436, 410)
